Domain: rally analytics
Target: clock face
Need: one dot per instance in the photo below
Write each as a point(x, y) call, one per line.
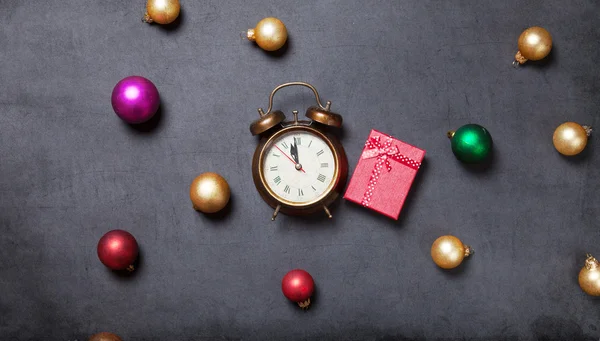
point(299, 167)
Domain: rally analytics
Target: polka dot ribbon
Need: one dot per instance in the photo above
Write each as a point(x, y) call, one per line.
point(383, 152)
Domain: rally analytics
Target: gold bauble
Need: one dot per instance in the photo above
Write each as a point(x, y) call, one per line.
point(570, 138)
point(589, 276)
point(269, 34)
point(162, 11)
point(448, 252)
point(209, 192)
point(105, 337)
point(535, 43)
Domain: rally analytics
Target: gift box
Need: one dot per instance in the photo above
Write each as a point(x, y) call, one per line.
point(384, 174)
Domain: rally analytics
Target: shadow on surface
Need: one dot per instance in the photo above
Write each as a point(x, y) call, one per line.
point(175, 24)
point(581, 157)
point(317, 220)
point(412, 194)
point(460, 270)
point(149, 126)
point(483, 167)
point(223, 214)
point(281, 52)
point(411, 197)
point(128, 275)
point(550, 59)
point(378, 217)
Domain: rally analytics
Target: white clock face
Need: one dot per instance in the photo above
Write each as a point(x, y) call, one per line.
point(299, 166)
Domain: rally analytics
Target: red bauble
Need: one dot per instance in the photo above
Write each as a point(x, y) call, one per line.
point(298, 286)
point(118, 250)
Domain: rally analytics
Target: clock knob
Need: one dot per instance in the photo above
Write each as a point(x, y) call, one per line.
point(324, 116)
point(266, 121)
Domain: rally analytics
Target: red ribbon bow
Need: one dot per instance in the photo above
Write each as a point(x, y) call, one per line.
point(383, 152)
point(374, 148)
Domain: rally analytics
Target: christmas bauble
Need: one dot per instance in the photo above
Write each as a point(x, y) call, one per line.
point(270, 34)
point(298, 286)
point(589, 276)
point(135, 99)
point(105, 337)
point(209, 193)
point(471, 143)
point(118, 250)
point(535, 43)
point(570, 138)
point(162, 11)
point(448, 252)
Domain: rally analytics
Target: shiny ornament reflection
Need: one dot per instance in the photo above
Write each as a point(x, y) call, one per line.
point(535, 43)
point(209, 193)
point(132, 92)
point(118, 250)
point(161, 11)
point(589, 276)
point(448, 252)
point(471, 143)
point(135, 99)
point(270, 34)
point(570, 138)
point(105, 337)
point(298, 286)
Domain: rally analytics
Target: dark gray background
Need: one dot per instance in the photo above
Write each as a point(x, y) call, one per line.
point(70, 170)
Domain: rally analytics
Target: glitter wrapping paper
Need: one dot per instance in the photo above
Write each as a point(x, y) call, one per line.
point(384, 174)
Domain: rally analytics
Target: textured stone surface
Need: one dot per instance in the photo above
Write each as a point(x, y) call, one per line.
point(70, 170)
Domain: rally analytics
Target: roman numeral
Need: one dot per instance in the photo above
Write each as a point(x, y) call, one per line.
point(287, 189)
point(313, 187)
point(321, 178)
point(320, 152)
point(300, 192)
point(277, 180)
point(298, 140)
point(324, 165)
point(273, 168)
point(309, 143)
point(285, 145)
point(276, 155)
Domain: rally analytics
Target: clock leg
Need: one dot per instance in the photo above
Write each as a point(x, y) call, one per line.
point(275, 213)
point(327, 212)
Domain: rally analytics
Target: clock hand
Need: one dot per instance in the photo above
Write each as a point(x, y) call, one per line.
point(296, 147)
point(294, 151)
point(289, 158)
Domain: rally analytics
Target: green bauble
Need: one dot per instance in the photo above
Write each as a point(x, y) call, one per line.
point(471, 143)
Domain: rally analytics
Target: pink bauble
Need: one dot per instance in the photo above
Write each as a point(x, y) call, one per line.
point(135, 99)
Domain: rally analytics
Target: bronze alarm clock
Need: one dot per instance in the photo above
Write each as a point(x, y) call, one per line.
point(299, 167)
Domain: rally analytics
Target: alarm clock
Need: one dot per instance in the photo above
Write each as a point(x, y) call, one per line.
point(299, 167)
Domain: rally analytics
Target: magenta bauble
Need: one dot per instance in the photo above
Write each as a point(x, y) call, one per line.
point(118, 250)
point(135, 99)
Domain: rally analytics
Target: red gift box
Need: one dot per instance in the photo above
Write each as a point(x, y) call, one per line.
point(386, 169)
